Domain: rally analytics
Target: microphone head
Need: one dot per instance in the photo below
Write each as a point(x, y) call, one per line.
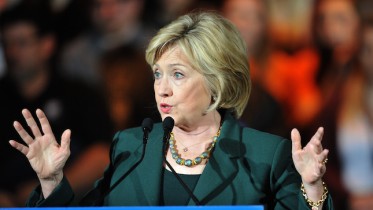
point(168, 124)
point(147, 124)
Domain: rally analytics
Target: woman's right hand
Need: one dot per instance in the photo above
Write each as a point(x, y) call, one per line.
point(45, 155)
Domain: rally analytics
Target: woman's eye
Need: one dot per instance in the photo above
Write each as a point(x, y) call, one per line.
point(178, 75)
point(157, 75)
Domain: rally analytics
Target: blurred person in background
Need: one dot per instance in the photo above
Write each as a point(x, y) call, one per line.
point(4, 4)
point(250, 17)
point(263, 112)
point(116, 23)
point(72, 18)
point(337, 28)
point(31, 81)
point(128, 88)
point(337, 36)
point(292, 61)
point(354, 129)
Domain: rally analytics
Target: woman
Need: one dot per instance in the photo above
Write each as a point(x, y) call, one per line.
point(354, 123)
point(263, 112)
point(201, 80)
point(337, 29)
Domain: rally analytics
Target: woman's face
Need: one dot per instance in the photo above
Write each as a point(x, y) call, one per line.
point(114, 15)
point(249, 17)
point(180, 90)
point(338, 23)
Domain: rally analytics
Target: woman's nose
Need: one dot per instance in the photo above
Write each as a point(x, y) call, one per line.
point(164, 88)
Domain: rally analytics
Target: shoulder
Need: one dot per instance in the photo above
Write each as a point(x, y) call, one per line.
point(268, 155)
point(249, 138)
point(262, 153)
point(251, 143)
point(252, 136)
point(264, 145)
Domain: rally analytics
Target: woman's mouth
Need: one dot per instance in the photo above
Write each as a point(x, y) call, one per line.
point(165, 108)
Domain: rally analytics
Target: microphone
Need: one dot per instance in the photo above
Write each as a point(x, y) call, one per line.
point(168, 124)
point(147, 126)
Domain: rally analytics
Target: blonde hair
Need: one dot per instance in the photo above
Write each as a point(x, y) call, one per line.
point(215, 49)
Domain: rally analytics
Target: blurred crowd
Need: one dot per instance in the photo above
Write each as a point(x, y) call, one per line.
point(83, 63)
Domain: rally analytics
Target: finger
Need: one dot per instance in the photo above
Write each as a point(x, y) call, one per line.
point(316, 147)
point(321, 170)
point(20, 147)
point(31, 122)
point(317, 137)
point(45, 126)
point(296, 140)
point(23, 133)
point(316, 140)
point(323, 156)
point(65, 139)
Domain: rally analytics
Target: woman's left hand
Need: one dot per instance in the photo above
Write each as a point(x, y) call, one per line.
point(310, 160)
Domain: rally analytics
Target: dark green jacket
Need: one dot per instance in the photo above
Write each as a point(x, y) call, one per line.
point(247, 167)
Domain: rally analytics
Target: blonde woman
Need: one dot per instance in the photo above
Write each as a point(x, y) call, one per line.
point(201, 80)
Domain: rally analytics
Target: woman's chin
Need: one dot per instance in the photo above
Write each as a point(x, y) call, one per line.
point(163, 116)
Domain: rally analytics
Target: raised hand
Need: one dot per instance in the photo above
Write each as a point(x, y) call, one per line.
point(310, 160)
point(45, 155)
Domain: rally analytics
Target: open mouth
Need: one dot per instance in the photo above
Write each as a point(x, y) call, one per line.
point(165, 108)
point(163, 105)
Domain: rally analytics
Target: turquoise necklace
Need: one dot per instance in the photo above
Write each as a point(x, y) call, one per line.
point(188, 162)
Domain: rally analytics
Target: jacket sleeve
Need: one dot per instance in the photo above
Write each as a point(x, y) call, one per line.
point(63, 195)
point(285, 182)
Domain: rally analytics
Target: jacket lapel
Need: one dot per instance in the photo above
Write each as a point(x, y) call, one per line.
point(221, 168)
point(146, 178)
point(218, 174)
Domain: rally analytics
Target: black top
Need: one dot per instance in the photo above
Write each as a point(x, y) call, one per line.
point(173, 193)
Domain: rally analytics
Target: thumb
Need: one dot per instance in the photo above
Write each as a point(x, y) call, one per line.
point(65, 139)
point(296, 140)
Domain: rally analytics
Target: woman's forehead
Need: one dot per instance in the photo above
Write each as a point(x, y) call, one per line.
point(173, 55)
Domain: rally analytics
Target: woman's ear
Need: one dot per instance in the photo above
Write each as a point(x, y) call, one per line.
point(213, 99)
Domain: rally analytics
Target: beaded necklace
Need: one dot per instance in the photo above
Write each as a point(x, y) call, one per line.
point(188, 162)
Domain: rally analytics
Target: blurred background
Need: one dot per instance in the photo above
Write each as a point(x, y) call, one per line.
point(83, 63)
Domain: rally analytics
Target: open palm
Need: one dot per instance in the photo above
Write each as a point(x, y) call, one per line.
point(45, 155)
